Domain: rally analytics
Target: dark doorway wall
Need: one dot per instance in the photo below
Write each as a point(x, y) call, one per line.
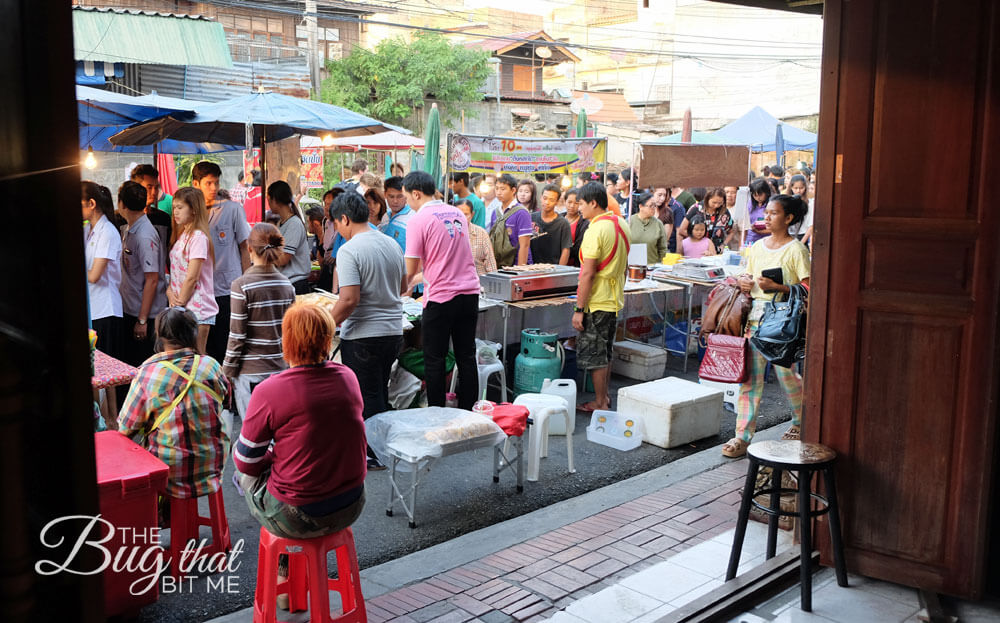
point(46, 424)
point(903, 368)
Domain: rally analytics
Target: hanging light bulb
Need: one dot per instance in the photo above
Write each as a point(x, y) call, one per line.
point(328, 140)
point(90, 161)
point(567, 181)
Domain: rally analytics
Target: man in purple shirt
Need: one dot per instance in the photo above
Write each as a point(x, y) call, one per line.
point(438, 236)
point(514, 220)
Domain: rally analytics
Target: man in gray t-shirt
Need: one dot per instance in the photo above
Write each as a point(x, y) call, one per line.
point(373, 262)
point(371, 273)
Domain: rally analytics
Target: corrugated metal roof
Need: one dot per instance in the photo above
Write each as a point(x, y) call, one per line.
point(148, 37)
point(210, 84)
point(506, 43)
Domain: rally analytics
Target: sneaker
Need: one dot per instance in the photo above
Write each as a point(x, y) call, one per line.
point(374, 465)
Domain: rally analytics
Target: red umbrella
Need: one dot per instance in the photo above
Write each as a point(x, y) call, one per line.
point(686, 128)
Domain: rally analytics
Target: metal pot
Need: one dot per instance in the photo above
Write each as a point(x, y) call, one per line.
point(636, 273)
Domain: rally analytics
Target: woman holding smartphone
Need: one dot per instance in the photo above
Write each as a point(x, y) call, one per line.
point(774, 263)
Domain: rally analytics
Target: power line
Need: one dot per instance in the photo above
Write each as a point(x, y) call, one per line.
point(597, 48)
point(350, 19)
point(657, 36)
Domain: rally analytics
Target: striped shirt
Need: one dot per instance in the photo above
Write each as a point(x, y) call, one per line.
point(259, 299)
point(190, 440)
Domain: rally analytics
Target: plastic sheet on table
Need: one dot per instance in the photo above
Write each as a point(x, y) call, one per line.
point(431, 432)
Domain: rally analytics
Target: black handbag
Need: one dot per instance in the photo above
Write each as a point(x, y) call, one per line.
point(781, 332)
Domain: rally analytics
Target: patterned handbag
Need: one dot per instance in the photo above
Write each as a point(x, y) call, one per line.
point(725, 359)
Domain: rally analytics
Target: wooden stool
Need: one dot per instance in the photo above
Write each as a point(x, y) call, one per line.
point(804, 459)
point(308, 583)
point(185, 523)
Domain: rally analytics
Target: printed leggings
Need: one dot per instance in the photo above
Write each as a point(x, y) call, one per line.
point(753, 388)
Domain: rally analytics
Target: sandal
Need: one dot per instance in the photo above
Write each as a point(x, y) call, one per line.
point(792, 434)
point(734, 448)
point(586, 407)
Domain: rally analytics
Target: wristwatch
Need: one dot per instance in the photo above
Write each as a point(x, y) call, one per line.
point(578, 310)
point(142, 321)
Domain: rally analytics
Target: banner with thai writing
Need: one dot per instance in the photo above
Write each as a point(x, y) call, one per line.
point(312, 167)
point(482, 154)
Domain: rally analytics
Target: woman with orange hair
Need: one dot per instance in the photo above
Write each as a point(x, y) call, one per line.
point(301, 452)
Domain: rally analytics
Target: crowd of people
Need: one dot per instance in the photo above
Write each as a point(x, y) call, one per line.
point(233, 362)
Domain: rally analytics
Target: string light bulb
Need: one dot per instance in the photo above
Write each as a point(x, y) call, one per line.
point(328, 140)
point(90, 161)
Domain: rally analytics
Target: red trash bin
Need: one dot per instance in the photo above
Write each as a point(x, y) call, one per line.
point(128, 481)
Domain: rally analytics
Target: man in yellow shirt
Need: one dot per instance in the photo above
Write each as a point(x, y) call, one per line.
point(601, 293)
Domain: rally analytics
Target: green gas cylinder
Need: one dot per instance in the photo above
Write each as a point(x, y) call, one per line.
point(540, 358)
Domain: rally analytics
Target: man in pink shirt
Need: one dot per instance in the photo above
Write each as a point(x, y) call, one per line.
point(437, 235)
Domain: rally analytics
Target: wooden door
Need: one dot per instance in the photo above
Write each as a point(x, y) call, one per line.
point(903, 364)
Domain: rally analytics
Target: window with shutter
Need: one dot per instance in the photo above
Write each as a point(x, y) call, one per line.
point(522, 78)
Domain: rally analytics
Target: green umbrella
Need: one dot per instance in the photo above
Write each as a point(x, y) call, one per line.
point(581, 124)
point(432, 145)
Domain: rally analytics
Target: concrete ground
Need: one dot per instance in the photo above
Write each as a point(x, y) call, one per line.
point(456, 498)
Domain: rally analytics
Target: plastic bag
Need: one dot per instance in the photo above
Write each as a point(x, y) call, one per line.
point(486, 352)
point(429, 433)
point(403, 387)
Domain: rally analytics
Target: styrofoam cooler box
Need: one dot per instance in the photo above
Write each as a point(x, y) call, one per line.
point(639, 361)
point(673, 411)
point(730, 391)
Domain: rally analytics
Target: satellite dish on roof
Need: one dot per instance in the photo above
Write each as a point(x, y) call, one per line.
point(586, 103)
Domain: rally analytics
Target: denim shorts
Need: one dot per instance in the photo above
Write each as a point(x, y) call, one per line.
point(210, 321)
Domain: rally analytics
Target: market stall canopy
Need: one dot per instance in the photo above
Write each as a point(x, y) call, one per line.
point(757, 130)
point(259, 115)
point(112, 35)
point(102, 114)
point(384, 141)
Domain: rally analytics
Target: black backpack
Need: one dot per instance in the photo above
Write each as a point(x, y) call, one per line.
point(781, 333)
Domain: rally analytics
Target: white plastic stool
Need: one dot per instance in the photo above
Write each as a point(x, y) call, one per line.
point(486, 370)
point(541, 407)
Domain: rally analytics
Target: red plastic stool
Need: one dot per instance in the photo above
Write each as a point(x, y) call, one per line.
point(307, 573)
point(185, 523)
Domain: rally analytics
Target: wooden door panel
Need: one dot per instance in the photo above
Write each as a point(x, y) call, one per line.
point(930, 264)
point(925, 104)
point(904, 358)
point(899, 424)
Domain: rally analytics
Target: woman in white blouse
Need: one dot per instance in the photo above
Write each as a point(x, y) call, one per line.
point(103, 250)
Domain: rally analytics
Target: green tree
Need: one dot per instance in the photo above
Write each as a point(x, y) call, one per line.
point(184, 164)
point(391, 81)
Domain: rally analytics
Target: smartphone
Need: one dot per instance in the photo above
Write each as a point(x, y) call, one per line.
point(774, 274)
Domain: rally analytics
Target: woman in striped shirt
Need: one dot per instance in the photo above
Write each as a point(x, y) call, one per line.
point(259, 300)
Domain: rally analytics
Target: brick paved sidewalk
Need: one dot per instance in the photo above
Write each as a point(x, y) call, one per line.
point(532, 580)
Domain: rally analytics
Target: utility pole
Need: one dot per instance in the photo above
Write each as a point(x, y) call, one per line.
point(312, 28)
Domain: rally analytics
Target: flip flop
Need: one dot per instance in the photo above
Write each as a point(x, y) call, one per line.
point(584, 406)
point(236, 483)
